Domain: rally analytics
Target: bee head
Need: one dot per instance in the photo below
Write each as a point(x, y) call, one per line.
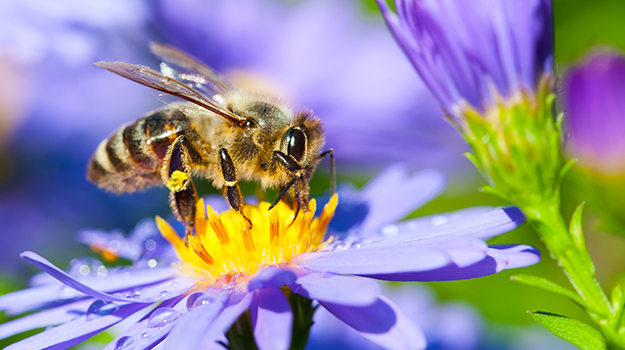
point(304, 139)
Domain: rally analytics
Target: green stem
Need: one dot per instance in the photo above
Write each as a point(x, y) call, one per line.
point(552, 229)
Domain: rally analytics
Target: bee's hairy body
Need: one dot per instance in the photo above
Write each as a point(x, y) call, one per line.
point(132, 158)
point(219, 133)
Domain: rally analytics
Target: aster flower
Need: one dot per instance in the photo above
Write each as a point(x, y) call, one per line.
point(489, 63)
point(593, 92)
point(226, 269)
point(323, 55)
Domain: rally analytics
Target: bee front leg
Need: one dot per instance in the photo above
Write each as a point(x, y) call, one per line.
point(232, 192)
point(177, 177)
point(298, 181)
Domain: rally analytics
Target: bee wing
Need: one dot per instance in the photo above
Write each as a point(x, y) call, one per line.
point(156, 80)
point(184, 68)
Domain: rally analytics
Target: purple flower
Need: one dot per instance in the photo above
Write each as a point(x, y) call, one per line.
point(475, 52)
point(226, 269)
point(594, 103)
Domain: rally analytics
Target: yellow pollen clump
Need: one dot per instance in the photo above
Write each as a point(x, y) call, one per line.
point(178, 181)
point(225, 245)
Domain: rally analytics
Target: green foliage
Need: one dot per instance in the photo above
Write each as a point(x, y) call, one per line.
point(549, 286)
point(575, 332)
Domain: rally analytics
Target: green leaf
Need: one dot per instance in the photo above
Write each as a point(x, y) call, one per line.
point(575, 332)
point(545, 284)
point(577, 233)
point(493, 191)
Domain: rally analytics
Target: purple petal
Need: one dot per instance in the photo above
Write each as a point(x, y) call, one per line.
point(72, 333)
point(45, 318)
point(378, 260)
point(271, 277)
point(207, 334)
point(482, 226)
point(406, 191)
point(594, 97)
point(344, 290)
point(517, 255)
point(272, 319)
point(498, 258)
point(162, 291)
point(153, 327)
point(192, 325)
point(382, 322)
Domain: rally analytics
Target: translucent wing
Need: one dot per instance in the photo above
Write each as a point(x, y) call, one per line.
point(156, 80)
point(184, 68)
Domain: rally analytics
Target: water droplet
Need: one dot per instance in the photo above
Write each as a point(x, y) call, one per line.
point(126, 274)
point(162, 317)
point(355, 244)
point(197, 299)
point(145, 335)
point(100, 308)
point(124, 342)
point(163, 293)
point(135, 295)
point(439, 220)
point(152, 263)
point(390, 230)
point(102, 272)
point(174, 283)
point(150, 244)
point(81, 267)
point(340, 245)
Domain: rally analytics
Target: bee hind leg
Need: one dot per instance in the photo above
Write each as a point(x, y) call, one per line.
point(232, 192)
point(177, 177)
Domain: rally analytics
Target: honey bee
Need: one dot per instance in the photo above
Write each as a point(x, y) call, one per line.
point(217, 132)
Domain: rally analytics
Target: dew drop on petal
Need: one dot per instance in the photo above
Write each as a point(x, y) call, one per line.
point(102, 272)
point(135, 295)
point(145, 335)
point(162, 317)
point(150, 244)
point(126, 274)
point(340, 245)
point(152, 263)
point(197, 299)
point(390, 230)
point(439, 220)
point(355, 244)
point(174, 283)
point(163, 293)
point(124, 342)
point(100, 308)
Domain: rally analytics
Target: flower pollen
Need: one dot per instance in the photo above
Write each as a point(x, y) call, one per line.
point(224, 245)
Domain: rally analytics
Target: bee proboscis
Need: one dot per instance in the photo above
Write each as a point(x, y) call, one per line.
point(217, 132)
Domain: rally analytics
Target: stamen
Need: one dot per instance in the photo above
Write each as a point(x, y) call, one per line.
point(225, 246)
point(215, 221)
point(169, 233)
point(274, 228)
point(199, 249)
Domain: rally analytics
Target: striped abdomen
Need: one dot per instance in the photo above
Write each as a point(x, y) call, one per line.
point(130, 160)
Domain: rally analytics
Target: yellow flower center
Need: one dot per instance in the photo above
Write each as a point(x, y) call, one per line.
point(225, 245)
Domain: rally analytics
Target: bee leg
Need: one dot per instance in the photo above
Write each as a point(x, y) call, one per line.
point(176, 175)
point(330, 152)
point(297, 173)
point(232, 192)
point(283, 192)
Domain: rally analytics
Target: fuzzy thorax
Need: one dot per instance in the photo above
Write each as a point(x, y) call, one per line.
point(224, 245)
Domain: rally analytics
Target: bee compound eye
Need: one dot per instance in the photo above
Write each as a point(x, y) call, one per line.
point(296, 144)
